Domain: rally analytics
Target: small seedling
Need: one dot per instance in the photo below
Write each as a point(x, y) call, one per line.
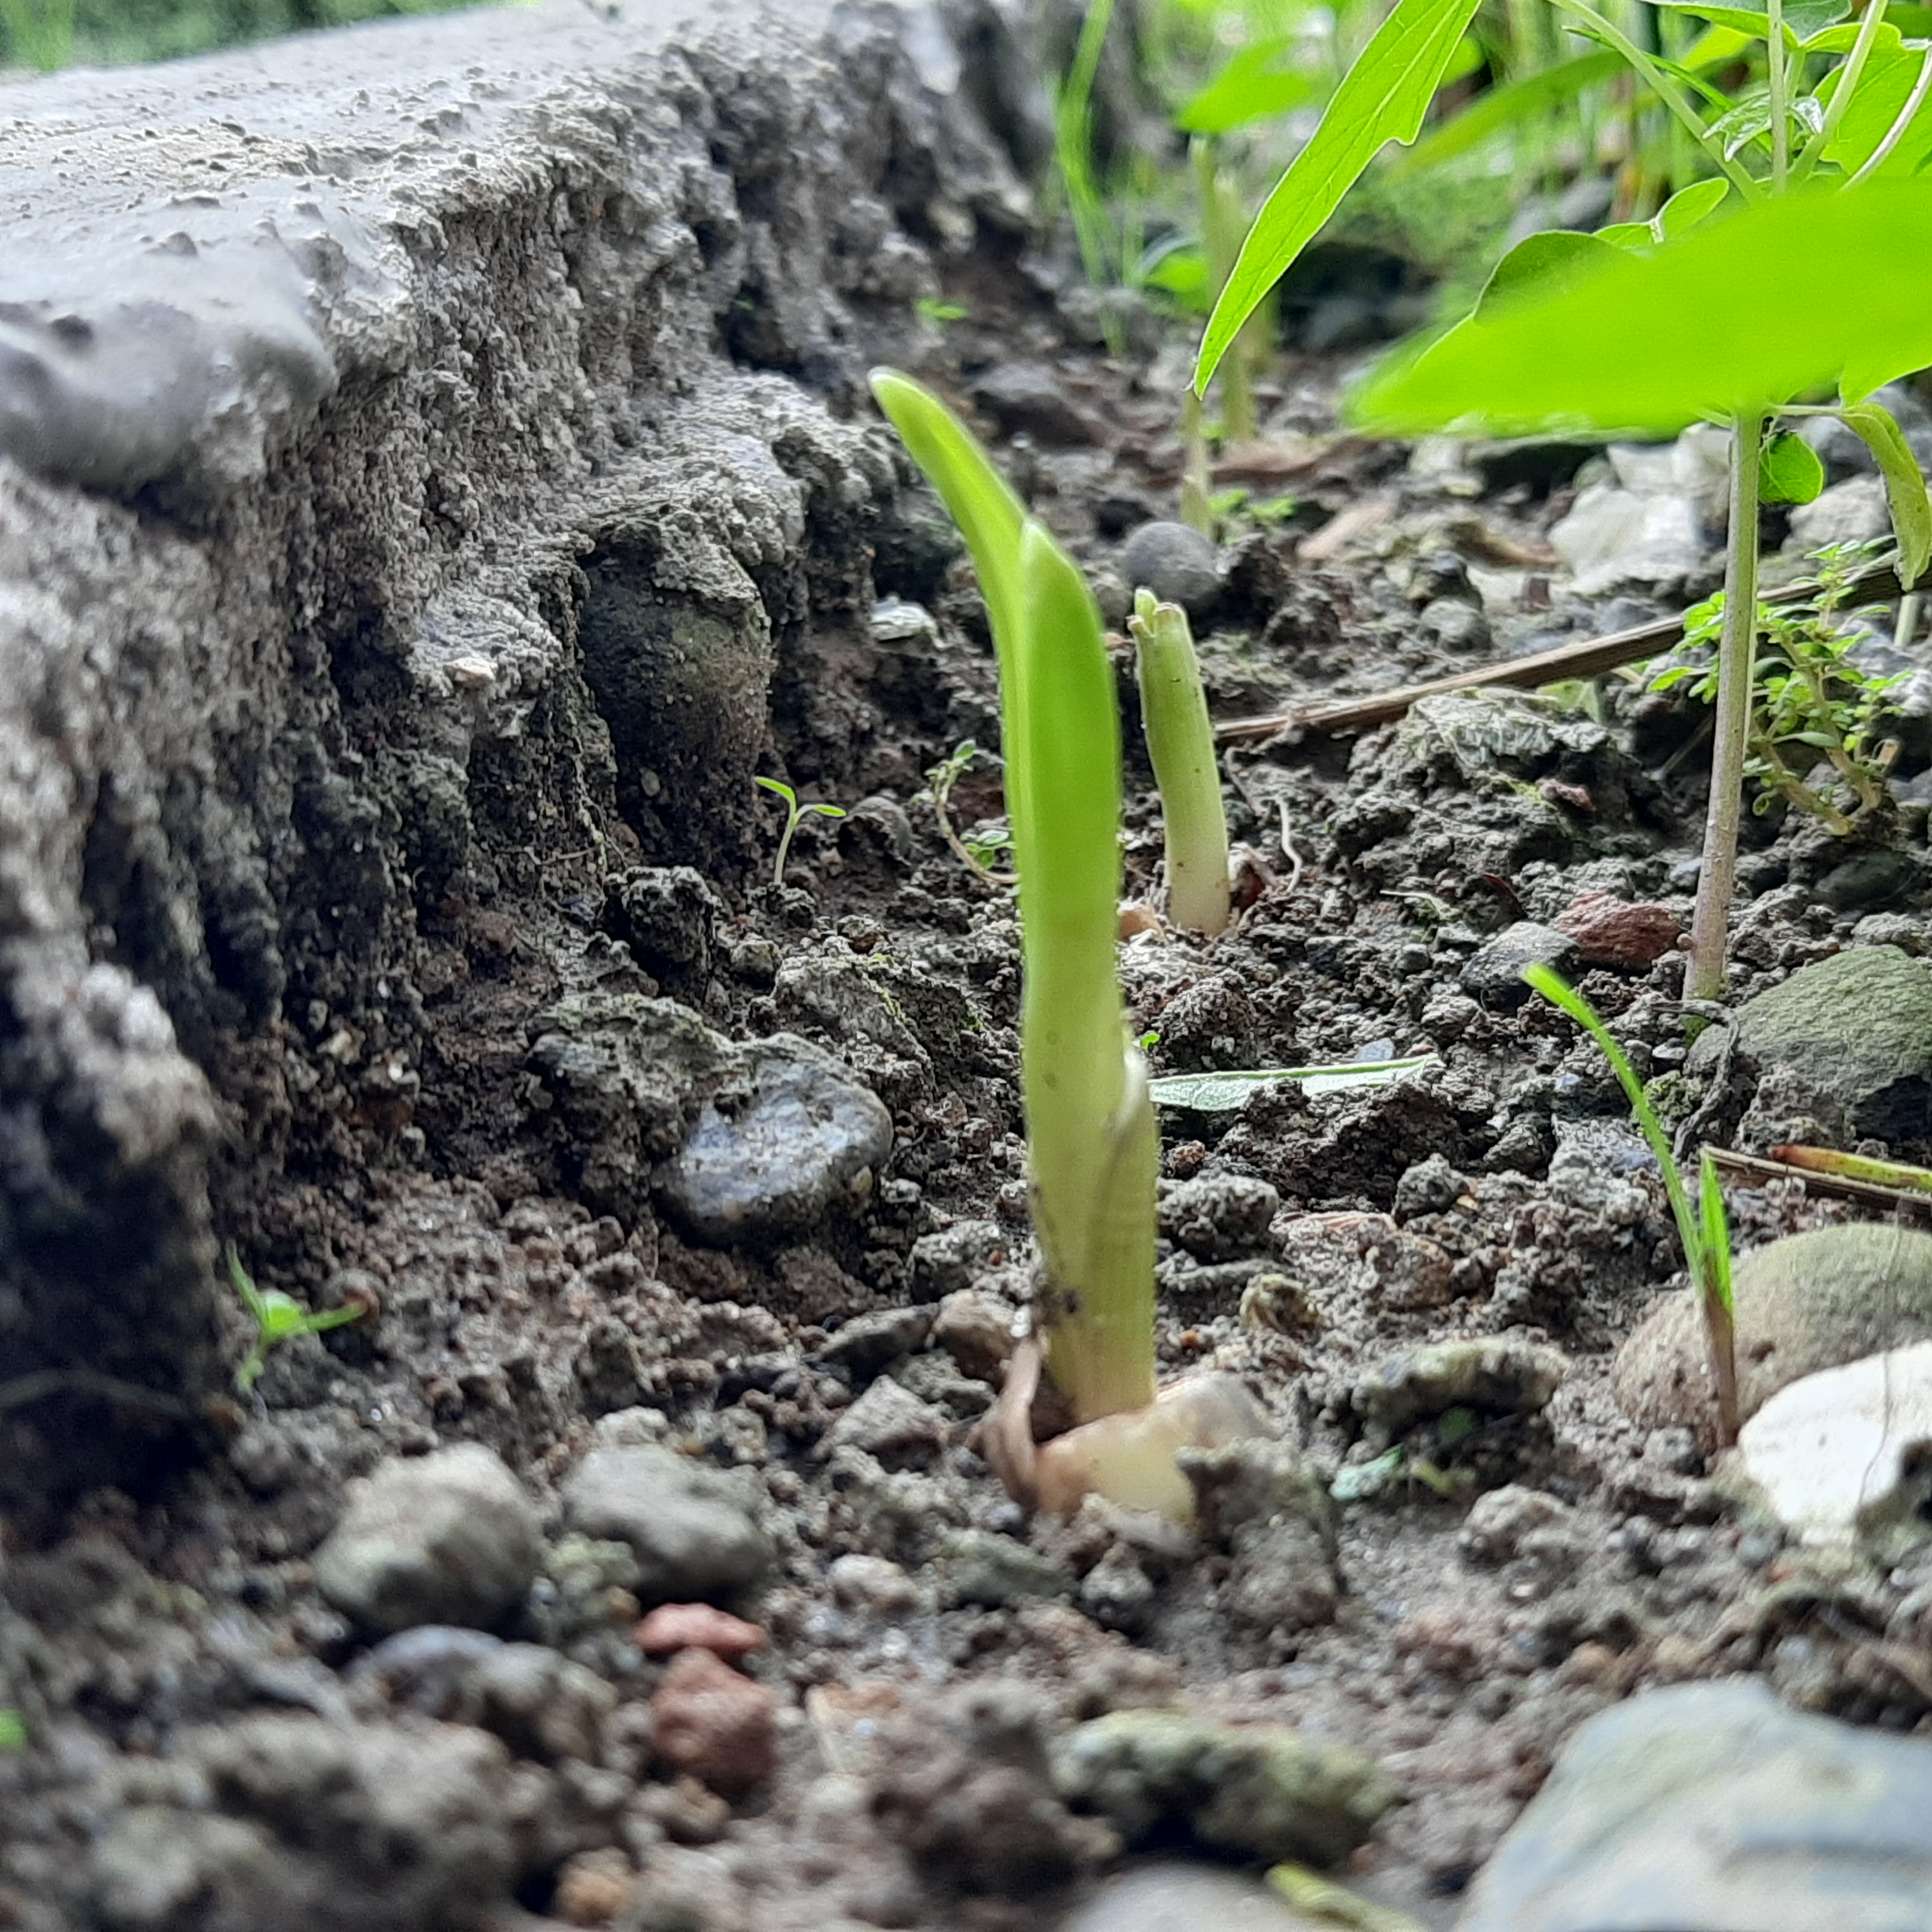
point(1702, 1229)
point(1810, 699)
point(278, 1318)
point(12, 1731)
point(794, 814)
point(937, 309)
point(1181, 744)
point(981, 850)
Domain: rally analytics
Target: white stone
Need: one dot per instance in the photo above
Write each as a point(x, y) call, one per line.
point(1838, 1456)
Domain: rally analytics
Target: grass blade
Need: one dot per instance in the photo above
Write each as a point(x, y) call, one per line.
point(1382, 98)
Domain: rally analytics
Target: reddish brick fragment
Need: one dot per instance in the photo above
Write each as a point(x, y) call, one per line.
point(1614, 932)
point(715, 1724)
point(698, 1626)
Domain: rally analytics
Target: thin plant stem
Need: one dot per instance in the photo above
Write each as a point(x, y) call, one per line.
point(1196, 511)
point(1906, 628)
point(1848, 77)
point(1710, 926)
point(1895, 133)
point(1221, 243)
point(1778, 74)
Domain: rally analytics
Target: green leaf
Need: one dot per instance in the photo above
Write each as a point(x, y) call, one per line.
point(778, 788)
point(1842, 40)
point(1182, 273)
point(1716, 1255)
point(1257, 84)
point(1551, 259)
point(1802, 18)
point(1383, 97)
point(1689, 206)
point(1788, 470)
point(1642, 343)
point(1904, 483)
point(1223, 1092)
point(1499, 108)
point(1884, 91)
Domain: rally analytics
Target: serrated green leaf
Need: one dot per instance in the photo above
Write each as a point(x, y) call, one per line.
point(1637, 342)
point(1498, 109)
point(1904, 483)
point(1256, 84)
point(1383, 97)
point(1788, 470)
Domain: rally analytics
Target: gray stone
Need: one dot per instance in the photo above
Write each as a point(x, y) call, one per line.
point(1870, 879)
point(1503, 1377)
point(1710, 1807)
point(807, 1137)
point(952, 1259)
point(691, 1528)
point(1188, 1898)
point(1218, 1216)
point(1455, 625)
point(1176, 563)
point(1026, 400)
point(324, 400)
point(1431, 1186)
point(668, 917)
point(1810, 1301)
point(1493, 973)
point(1261, 1791)
point(891, 1423)
point(1858, 1028)
point(447, 1538)
point(1613, 539)
point(1853, 511)
point(868, 1343)
point(984, 1567)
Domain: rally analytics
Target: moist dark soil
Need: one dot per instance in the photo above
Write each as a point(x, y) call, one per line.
point(1502, 1568)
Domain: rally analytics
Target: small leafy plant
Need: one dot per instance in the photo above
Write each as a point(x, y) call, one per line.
point(278, 1318)
point(1702, 1229)
point(980, 849)
point(1811, 701)
point(795, 814)
point(1180, 743)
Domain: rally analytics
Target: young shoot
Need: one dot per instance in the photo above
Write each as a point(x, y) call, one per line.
point(278, 1318)
point(1701, 1228)
point(1180, 742)
point(795, 814)
point(979, 850)
point(1094, 1147)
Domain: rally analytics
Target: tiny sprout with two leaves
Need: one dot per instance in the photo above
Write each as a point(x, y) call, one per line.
point(980, 849)
point(794, 813)
point(278, 1318)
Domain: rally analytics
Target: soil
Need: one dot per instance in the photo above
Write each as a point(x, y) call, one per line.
point(1522, 1565)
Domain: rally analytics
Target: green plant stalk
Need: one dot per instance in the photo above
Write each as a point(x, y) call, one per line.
point(1710, 925)
point(1091, 1132)
point(1776, 72)
point(1706, 1260)
point(1197, 509)
point(1857, 1167)
point(1180, 743)
point(1092, 1143)
point(1221, 243)
point(1896, 132)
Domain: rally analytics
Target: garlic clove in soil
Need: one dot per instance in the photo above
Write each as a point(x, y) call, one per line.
point(1128, 1459)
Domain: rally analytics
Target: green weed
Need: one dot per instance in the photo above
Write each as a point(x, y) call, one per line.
point(279, 1318)
point(795, 814)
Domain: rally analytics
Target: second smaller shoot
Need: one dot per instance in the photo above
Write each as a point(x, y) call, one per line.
point(1181, 746)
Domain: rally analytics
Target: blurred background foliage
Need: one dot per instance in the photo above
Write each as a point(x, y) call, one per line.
point(58, 33)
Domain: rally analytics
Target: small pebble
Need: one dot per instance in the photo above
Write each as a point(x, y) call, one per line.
point(674, 1627)
point(716, 1725)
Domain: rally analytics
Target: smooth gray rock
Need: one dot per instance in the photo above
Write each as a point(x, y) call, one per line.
point(805, 1137)
point(447, 1538)
point(1857, 1029)
point(1176, 563)
point(691, 1528)
point(1494, 972)
point(1710, 1807)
